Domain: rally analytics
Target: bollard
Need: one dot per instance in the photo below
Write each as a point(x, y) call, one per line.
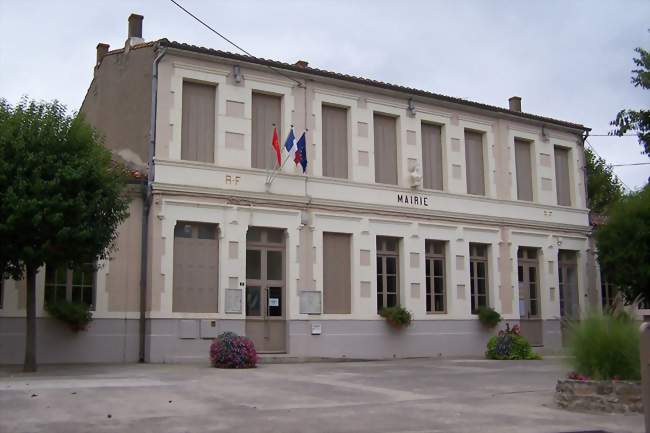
point(645, 372)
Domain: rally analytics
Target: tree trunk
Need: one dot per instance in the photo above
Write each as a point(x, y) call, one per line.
point(30, 335)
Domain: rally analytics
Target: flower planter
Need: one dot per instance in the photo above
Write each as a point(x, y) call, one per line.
point(599, 395)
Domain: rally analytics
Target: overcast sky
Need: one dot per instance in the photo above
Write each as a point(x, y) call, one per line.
point(569, 60)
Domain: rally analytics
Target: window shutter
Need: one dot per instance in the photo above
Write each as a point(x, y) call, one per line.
point(474, 163)
point(337, 276)
point(432, 156)
point(385, 149)
point(562, 176)
point(335, 142)
point(524, 170)
point(266, 110)
point(197, 127)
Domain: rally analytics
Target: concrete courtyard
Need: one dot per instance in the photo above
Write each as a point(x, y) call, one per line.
point(417, 395)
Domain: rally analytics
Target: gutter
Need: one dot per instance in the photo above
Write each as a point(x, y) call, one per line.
point(146, 205)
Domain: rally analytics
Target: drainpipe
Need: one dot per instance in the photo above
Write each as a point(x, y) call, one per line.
point(146, 205)
point(592, 277)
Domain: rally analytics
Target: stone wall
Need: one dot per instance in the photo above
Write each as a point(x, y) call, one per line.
point(601, 396)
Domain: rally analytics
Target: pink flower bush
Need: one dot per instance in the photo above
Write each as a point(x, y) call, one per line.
point(230, 350)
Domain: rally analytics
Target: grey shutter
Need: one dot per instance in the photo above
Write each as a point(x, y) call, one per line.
point(524, 170)
point(474, 163)
point(335, 142)
point(385, 149)
point(562, 176)
point(265, 113)
point(196, 269)
point(337, 276)
point(197, 127)
point(432, 156)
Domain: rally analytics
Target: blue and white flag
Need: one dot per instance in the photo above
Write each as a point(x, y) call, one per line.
point(301, 152)
point(290, 144)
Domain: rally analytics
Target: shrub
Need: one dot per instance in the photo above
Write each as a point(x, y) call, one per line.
point(398, 316)
point(76, 315)
point(230, 350)
point(488, 317)
point(605, 347)
point(510, 344)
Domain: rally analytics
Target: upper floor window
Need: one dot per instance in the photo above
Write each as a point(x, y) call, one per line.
point(385, 128)
point(197, 127)
point(523, 166)
point(478, 275)
point(71, 285)
point(266, 115)
point(335, 141)
point(431, 156)
point(474, 164)
point(387, 272)
point(435, 276)
point(562, 176)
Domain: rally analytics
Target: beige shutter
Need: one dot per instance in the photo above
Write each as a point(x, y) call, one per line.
point(562, 176)
point(474, 163)
point(432, 156)
point(335, 142)
point(524, 170)
point(197, 128)
point(336, 273)
point(196, 268)
point(385, 149)
point(265, 113)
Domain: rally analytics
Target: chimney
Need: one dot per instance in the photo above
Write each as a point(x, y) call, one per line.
point(301, 64)
point(135, 30)
point(102, 49)
point(515, 103)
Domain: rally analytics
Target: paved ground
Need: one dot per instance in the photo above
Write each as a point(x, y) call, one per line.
point(412, 396)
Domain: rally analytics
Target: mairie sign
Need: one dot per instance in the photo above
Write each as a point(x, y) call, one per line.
point(412, 200)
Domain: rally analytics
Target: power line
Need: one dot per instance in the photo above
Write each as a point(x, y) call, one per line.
point(231, 42)
point(612, 135)
point(598, 154)
point(627, 164)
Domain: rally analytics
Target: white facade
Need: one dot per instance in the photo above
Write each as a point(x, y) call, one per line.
point(235, 196)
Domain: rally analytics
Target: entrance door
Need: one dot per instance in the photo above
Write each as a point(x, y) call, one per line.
point(265, 289)
point(568, 288)
point(529, 305)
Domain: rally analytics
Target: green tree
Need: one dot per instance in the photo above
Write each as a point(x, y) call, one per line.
point(624, 244)
point(637, 120)
point(61, 196)
point(603, 187)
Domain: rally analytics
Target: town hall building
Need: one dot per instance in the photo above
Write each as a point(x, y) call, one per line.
point(411, 198)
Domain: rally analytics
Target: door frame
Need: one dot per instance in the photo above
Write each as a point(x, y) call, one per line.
point(264, 284)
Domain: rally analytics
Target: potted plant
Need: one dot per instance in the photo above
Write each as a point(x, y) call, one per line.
point(509, 344)
point(488, 317)
point(74, 314)
point(398, 317)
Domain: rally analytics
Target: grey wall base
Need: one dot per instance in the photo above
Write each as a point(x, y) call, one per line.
point(188, 340)
point(174, 341)
point(105, 340)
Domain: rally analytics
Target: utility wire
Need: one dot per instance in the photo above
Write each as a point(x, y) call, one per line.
point(598, 154)
point(231, 42)
point(612, 135)
point(627, 164)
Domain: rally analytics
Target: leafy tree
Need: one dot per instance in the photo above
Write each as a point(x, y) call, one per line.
point(61, 196)
point(624, 244)
point(603, 187)
point(637, 120)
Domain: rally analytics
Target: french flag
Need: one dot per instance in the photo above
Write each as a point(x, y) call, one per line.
point(290, 144)
point(301, 153)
